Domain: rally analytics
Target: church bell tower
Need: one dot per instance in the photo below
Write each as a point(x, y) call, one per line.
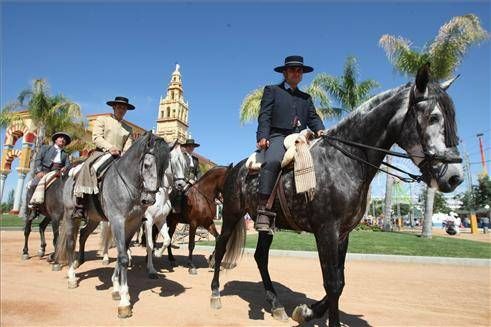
point(172, 120)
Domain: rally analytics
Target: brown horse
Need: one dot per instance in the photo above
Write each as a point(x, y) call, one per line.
point(199, 209)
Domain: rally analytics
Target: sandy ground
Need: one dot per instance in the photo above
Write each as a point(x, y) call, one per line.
point(376, 294)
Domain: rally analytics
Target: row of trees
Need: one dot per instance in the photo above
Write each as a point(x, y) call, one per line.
point(444, 53)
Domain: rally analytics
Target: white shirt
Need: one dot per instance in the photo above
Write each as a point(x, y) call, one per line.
point(191, 159)
point(57, 158)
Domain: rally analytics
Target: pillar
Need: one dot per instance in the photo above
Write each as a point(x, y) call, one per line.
point(18, 192)
point(3, 177)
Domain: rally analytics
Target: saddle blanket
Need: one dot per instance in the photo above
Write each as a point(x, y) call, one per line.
point(45, 182)
point(297, 147)
point(97, 164)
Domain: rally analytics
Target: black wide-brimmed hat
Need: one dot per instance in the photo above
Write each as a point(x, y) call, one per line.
point(294, 61)
point(122, 100)
point(67, 137)
point(191, 142)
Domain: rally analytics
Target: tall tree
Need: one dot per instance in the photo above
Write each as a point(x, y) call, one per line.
point(444, 54)
point(49, 114)
point(345, 89)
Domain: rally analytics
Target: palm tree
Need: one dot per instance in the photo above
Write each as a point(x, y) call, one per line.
point(345, 89)
point(249, 109)
point(444, 54)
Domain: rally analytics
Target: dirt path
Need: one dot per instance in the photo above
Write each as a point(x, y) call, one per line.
point(376, 294)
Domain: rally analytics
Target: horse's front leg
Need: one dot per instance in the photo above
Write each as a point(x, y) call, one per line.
point(332, 255)
point(118, 229)
point(191, 243)
point(42, 229)
point(27, 232)
point(164, 231)
point(172, 229)
point(262, 257)
point(152, 273)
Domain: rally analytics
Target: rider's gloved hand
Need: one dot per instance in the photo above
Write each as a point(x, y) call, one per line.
point(263, 144)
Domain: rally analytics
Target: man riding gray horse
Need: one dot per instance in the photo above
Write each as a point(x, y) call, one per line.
point(284, 110)
point(110, 135)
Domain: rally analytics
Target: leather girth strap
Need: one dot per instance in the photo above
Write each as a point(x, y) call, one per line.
point(279, 189)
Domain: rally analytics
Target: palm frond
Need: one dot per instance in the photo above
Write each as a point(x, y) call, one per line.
point(24, 95)
point(331, 85)
point(452, 42)
point(249, 109)
point(363, 90)
point(329, 113)
point(318, 94)
point(8, 115)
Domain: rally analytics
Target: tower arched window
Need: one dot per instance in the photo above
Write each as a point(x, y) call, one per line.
point(168, 112)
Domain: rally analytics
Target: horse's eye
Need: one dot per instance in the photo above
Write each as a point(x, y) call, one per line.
point(434, 119)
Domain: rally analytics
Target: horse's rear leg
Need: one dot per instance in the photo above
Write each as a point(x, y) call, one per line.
point(55, 225)
point(262, 258)
point(191, 243)
point(27, 232)
point(84, 234)
point(332, 256)
point(42, 229)
point(228, 228)
point(164, 231)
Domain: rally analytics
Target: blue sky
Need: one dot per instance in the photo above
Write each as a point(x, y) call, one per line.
point(94, 51)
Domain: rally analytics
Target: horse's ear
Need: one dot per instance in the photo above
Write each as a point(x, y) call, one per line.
point(174, 145)
point(446, 85)
point(423, 77)
point(230, 165)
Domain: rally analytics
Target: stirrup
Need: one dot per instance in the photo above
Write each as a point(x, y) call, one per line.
point(264, 220)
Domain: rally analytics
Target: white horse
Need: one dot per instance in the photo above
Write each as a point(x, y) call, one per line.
point(174, 178)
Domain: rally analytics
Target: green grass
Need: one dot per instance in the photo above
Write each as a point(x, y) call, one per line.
point(7, 220)
point(383, 243)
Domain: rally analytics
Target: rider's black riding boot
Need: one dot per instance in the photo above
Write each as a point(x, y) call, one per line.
point(79, 211)
point(264, 217)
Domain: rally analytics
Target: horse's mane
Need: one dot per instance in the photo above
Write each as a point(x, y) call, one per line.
point(448, 111)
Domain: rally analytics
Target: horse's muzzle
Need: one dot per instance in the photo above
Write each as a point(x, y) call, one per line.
point(147, 199)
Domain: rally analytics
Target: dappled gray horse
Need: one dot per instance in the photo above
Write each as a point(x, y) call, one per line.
point(128, 188)
point(418, 117)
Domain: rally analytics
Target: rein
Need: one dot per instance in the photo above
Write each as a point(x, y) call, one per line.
point(427, 157)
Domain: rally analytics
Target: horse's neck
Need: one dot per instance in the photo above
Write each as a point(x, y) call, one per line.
point(208, 188)
point(127, 169)
point(377, 123)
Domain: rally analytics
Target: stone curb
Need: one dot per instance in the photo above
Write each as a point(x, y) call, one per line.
point(378, 257)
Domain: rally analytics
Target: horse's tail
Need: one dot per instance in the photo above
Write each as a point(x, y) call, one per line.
point(65, 246)
point(235, 245)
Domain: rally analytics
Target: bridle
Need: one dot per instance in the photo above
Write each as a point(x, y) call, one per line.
point(428, 158)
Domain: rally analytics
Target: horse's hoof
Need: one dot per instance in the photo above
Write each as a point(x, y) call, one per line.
point(25, 256)
point(192, 271)
point(56, 267)
point(116, 296)
point(215, 303)
point(157, 254)
point(279, 314)
point(153, 276)
point(302, 313)
point(105, 262)
point(50, 258)
point(72, 284)
point(41, 254)
point(124, 312)
point(76, 264)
